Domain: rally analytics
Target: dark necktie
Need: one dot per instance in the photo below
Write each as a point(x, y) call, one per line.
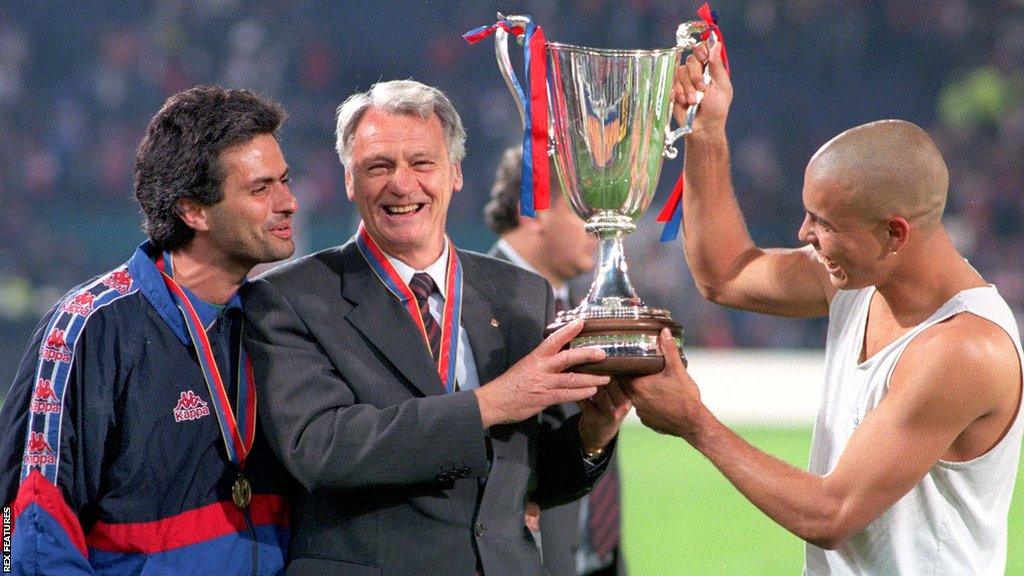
point(422, 285)
point(603, 523)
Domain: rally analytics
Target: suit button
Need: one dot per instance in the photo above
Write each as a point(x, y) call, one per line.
point(479, 529)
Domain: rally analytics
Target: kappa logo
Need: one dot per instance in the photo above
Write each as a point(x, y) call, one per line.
point(80, 304)
point(119, 280)
point(44, 401)
point(39, 451)
point(190, 407)
point(56, 349)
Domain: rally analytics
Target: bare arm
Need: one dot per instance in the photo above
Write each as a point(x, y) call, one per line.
point(946, 399)
point(726, 265)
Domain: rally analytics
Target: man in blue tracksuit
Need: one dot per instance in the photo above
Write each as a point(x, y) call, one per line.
point(128, 441)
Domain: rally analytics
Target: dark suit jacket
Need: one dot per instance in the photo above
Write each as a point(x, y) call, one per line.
point(395, 477)
point(560, 525)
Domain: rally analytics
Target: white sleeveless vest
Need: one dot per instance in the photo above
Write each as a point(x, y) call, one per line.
point(953, 522)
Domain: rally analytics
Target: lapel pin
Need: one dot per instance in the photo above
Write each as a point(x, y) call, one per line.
point(494, 322)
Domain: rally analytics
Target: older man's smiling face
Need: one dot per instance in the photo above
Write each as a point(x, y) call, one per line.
point(402, 179)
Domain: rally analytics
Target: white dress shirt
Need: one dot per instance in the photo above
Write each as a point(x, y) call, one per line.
point(465, 367)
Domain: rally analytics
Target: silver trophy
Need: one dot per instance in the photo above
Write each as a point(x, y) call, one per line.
point(610, 115)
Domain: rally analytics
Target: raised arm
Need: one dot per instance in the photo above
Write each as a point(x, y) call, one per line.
point(726, 265)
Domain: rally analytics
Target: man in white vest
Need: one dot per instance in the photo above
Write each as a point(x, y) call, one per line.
point(918, 437)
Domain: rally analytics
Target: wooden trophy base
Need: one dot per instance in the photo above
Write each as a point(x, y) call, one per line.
point(631, 344)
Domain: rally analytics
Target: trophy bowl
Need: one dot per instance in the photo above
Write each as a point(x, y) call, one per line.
point(609, 130)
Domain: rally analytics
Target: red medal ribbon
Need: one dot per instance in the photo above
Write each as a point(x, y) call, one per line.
point(238, 436)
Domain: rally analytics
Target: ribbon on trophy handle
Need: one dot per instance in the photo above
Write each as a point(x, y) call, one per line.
point(710, 17)
point(672, 213)
point(535, 193)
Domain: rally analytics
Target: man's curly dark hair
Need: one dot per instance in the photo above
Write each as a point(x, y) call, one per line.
point(179, 158)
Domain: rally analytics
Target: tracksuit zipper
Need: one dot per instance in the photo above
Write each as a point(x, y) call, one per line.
point(255, 543)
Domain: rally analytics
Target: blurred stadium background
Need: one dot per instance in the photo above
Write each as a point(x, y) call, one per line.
point(78, 81)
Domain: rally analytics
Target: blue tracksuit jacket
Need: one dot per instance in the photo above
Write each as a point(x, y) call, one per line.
point(111, 458)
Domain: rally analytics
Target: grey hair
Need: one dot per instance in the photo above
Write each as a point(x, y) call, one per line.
point(400, 97)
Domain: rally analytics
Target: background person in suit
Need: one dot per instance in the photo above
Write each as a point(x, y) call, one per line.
point(403, 377)
point(582, 537)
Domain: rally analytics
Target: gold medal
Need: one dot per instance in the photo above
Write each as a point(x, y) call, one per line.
point(241, 491)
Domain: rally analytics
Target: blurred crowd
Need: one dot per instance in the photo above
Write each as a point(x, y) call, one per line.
point(79, 82)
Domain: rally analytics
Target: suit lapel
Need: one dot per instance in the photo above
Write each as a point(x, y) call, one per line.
point(479, 316)
point(382, 319)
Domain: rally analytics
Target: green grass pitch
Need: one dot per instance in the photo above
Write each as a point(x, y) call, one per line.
point(681, 517)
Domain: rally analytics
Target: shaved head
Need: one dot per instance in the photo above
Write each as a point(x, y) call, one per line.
point(885, 168)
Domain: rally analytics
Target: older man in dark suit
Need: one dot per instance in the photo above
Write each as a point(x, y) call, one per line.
point(402, 377)
point(580, 538)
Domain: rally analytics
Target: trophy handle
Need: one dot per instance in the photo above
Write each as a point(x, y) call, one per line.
point(505, 63)
point(691, 111)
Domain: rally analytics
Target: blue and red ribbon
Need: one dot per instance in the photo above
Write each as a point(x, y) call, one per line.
point(450, 315)
point(672, 213)
point(710, 17)
point(238, 434)
point(535, 193)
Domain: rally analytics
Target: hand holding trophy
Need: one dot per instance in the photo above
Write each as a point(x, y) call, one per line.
point(610, 115)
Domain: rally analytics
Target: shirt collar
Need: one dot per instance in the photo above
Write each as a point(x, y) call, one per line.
point(516, 258)
point(206, 311)
point(146, 276)
point(438, 270)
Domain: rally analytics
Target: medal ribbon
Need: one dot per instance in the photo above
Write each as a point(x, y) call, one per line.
point(450, 315)
point(672, 212)
point(535, 193)
point(238, 436)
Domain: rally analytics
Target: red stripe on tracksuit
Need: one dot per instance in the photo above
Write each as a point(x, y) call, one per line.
point(188, 528)
point(185, 529)
point(36, 489)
